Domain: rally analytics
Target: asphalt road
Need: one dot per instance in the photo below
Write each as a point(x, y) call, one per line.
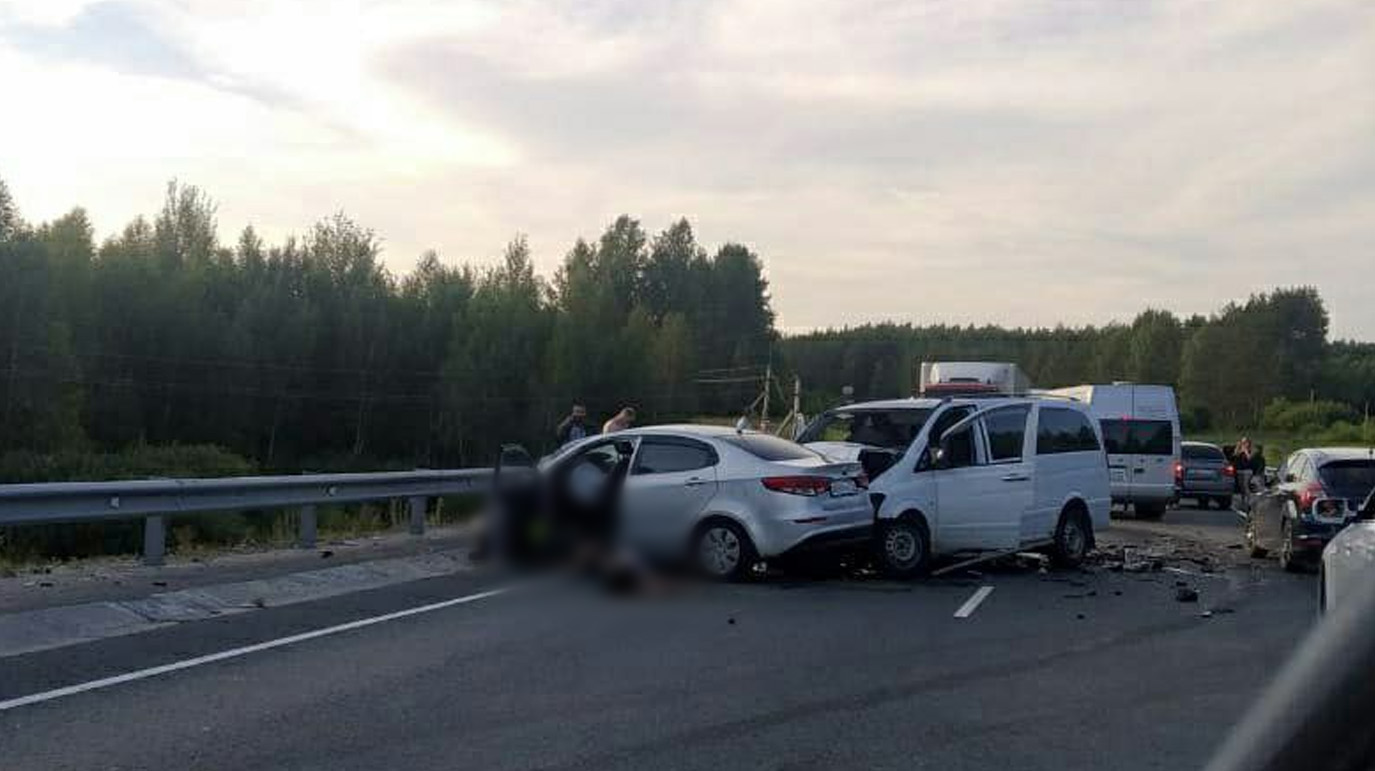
point(1058, 670)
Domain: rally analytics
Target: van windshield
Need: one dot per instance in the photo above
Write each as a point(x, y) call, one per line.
point(1138, 437)
point(891, 429)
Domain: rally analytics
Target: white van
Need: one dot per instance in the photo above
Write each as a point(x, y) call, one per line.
point(1140, 427)
point(989, 474)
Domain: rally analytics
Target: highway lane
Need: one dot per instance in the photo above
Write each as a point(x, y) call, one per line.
point(1050, 671)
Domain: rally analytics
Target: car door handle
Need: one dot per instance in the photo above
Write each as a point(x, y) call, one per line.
point(1139, 471)
point(695, 482)
point(1015, 477)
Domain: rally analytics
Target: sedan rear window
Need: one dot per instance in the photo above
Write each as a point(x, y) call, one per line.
point(768, 447)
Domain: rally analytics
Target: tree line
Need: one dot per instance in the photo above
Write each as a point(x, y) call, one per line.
point(1228, 367)
point(310, 354)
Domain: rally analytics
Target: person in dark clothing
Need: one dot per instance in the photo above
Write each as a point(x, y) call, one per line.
point(573, 427)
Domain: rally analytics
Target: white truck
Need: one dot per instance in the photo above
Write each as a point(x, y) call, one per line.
point(962, 378)
point(1140, 426)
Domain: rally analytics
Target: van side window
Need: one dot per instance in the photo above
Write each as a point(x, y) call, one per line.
point(1060, 430)
point(947, 419)
point(959, 448)
point(1006, 431)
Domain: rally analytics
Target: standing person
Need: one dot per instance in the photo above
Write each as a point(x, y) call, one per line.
point(573, 427)
point(623, 420)
point(1244, 464)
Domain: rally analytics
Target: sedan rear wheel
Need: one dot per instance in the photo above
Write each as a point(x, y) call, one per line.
point(723, 551)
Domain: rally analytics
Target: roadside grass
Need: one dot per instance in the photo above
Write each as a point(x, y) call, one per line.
point(1278, 444)
point(213, 534)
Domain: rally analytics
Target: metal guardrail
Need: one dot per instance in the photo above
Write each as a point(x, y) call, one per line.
point(155, 499)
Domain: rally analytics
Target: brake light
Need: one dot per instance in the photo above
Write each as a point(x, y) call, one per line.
point(800, 485)
point(862, 481)
point(1309, 495)
point(1178, 471)
point(1229, 470)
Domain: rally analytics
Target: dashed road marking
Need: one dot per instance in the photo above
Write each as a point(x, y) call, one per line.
point(972, 604)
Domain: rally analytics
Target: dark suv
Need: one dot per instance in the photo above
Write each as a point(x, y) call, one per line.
point(1204, 475)
point(1313, 496)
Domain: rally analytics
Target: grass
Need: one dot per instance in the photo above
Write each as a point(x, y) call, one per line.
point(1278, 444)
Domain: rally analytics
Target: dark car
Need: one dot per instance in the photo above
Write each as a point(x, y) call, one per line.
point(1315, 493)
point(1204, 475)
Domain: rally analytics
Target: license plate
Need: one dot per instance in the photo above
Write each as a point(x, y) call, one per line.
point(1202, 474)
point(844, 487)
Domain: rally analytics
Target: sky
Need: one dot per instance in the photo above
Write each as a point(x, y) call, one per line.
point(1020, 162)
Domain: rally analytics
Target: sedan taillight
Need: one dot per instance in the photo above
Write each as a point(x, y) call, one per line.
point(798, 485)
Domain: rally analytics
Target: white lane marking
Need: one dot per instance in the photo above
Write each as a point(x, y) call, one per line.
point(972, 604)
point(128, 677)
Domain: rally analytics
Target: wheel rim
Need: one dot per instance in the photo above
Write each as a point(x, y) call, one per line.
point(901, 545)
point(719, 551)
point(1072, 538)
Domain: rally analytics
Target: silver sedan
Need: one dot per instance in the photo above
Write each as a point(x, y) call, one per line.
point(724, 498)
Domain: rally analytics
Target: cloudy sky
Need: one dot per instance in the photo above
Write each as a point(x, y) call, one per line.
point(1011, 161)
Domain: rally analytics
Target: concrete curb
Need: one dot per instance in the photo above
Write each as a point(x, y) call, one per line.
point(48, 628)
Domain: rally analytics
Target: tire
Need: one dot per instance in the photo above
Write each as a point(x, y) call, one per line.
point(723, 551)
point(904, 548)
point(1150, 511)
point(1286, 555)
point(1073, 538)
point(1252, 547)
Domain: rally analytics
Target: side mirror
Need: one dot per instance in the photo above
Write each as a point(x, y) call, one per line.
point(939, 457)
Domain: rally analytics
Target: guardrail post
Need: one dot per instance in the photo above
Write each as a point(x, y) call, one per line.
point(306, 537)
point(418, 515)
point(154, 540)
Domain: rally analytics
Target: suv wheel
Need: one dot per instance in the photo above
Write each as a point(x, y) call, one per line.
point(904, 547)
point(1287, 548)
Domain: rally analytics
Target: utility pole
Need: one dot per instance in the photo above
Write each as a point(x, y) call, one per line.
point(768, 386)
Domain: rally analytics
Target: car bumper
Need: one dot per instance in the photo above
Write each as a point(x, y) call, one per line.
point(1190, 489)
point(785, 531)
point(1309, 539)
point(837, 538)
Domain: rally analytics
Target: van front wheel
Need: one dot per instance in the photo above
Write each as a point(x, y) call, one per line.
point(904, 548)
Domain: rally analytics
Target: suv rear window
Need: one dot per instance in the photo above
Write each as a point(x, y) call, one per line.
point(1138, 437)
point(1349, 478)
point(1201, 452)
point(768, 447)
